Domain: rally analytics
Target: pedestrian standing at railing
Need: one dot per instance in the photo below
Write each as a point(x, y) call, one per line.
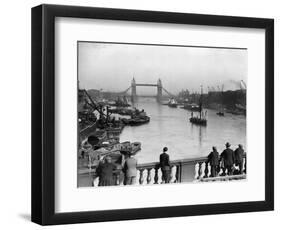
point(228, 159)
point(213, 160)
point(105, 172)
point(165, 165)
point(238, 153)
point(130, 170)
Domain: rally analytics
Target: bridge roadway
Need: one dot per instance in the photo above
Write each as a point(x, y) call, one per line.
point(153, 85)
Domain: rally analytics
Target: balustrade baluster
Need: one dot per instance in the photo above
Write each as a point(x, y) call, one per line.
point(117, 178)
point(199, 170)
point(95, 180)
point(156, 175)
point(245, 164)
point(171, 175)
point(148, 178)
point(206, 171)
point(141, 176)
point(177, 174)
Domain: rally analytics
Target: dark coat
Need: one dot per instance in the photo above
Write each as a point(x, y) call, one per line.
point(105, 173)
point(238, 154)
point(164, 161)
point(213, 158)
point(228, 157)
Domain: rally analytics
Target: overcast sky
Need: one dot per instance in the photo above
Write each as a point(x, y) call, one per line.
point(111, 67)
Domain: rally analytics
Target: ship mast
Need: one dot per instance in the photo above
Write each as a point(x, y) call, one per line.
point(200, 102)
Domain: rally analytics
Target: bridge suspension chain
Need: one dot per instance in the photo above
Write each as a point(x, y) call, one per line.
point(170, 94)
point(125, 91)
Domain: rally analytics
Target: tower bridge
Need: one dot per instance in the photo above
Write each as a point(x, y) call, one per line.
point(158, 85)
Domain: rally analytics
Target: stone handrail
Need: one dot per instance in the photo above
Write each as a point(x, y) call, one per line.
point(184, 170)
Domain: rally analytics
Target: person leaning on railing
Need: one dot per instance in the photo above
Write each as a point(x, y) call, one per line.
point(213, 160)
point(238, 154)
point(130, 170)
point(227, 157)
point(165, 165)
point(105, 172)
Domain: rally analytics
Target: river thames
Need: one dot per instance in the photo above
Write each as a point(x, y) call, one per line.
point(171, 127)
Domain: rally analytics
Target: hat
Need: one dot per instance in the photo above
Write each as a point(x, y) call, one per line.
point(165, 149)
point(227, 144)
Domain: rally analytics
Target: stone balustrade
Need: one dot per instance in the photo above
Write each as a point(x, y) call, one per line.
point(185, 170)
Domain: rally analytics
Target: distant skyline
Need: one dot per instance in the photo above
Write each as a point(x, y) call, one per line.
point(111, 67)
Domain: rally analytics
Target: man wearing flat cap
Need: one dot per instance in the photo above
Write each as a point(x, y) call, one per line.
point(227, 156)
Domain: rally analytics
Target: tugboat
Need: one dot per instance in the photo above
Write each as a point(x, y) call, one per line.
point(201, 120)
point(173, 103)
point(220, 113)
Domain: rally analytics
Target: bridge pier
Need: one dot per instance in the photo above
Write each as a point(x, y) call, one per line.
point(133, 90)
point(159, 90)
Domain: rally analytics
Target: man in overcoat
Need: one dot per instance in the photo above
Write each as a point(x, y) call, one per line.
point(165, 165)
point(238, 153)
point(130, 170)
point(213, 160)
point(227, 156)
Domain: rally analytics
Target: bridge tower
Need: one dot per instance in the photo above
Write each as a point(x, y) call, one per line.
point(159, 90)
point(133, 90)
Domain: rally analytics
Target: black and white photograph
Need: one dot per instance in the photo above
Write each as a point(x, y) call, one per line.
point(154, 114)
point(140, 114)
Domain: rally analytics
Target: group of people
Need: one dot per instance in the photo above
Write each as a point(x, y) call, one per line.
point(226, 160)
point(106, 171)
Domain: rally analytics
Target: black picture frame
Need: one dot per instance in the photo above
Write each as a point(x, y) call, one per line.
point(43, 114)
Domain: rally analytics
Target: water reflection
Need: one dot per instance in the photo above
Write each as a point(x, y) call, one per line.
point(171, 127)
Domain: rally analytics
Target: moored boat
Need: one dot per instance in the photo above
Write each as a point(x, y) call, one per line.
point(220, 113)
point(173, 103)
point(198, 121)
point(127, 147)
point(140, 120)
point(191, 106)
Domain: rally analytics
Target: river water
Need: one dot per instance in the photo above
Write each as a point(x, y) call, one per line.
point(170, 127)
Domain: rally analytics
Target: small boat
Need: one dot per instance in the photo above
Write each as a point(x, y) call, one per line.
point(173, 103)
point(127, 147)
point(220, 113)
point(139, 121)
point(121, 111)
point(136, 120)
point(198, 121)
point(191, 107)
